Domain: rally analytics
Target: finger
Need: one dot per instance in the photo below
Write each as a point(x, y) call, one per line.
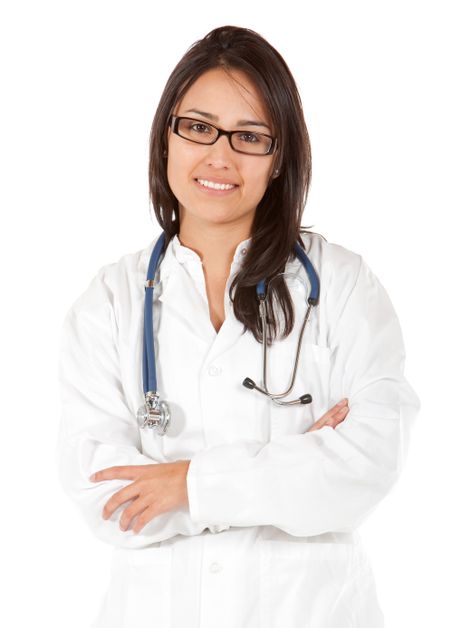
point(332, 418)
point(115, 473)
point(334, 413)
point(338, 417)
point(316, 425)
point(120, 497)
point(145, 509)
point(144, 518)
point(335, 409)
point(325, 420)
point(133, 510)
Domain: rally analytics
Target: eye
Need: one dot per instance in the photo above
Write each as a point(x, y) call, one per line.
point(199, 127)
point(249, 138)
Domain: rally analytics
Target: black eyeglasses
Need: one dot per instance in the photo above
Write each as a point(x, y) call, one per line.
point(202, 132)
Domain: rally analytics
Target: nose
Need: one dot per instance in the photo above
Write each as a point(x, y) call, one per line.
point(220, 154)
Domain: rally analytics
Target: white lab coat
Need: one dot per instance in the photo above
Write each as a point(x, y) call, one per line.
point(269, 537)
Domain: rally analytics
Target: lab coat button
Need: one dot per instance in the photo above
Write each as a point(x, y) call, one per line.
point(215, 567)
point(214, 370)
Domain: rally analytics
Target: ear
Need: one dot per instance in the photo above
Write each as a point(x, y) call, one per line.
point(167, 142)
point(276, 165)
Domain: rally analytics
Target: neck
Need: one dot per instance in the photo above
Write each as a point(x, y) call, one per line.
point(215, 244)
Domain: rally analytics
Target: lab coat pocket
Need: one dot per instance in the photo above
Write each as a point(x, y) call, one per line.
point(316, 585)
point(141, 581)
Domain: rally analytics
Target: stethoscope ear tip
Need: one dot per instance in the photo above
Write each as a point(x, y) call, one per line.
point(305, 399)
point(249, 383)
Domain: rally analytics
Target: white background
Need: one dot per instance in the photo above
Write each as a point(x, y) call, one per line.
point(80, 82)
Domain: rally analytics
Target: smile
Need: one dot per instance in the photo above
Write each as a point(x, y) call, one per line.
point(215, 186)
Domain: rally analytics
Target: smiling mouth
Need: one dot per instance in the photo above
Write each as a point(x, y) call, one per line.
point(216, 186)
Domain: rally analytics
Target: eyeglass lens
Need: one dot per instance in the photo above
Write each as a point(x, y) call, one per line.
point(204, 133)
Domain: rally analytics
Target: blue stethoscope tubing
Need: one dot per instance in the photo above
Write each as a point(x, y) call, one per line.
point(148, 357)
point(313, 278)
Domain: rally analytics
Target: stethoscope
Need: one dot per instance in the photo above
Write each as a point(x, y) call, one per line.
point(155, 413)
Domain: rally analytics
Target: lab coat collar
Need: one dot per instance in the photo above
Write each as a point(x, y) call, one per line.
point(183, 297)
point(177, 254)
point(184, 254)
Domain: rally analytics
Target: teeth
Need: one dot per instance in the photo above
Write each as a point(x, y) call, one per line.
point(215, 186)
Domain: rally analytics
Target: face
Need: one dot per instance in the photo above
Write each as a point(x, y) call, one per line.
point(218, 99)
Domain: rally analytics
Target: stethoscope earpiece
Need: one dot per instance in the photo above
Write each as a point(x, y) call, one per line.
point(249, 383)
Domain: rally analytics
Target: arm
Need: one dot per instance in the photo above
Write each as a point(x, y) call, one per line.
point(97, 428)
point(328, 479)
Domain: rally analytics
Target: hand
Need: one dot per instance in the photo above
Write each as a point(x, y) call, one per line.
point(333, 417)
point(156, 488)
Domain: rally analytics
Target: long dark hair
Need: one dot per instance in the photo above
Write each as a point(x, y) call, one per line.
point(277, 221)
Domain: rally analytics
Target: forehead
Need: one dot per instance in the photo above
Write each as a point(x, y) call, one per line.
point(224, 93)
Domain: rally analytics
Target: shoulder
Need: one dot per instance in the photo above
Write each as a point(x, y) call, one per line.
point(331, 260)
point(127, 272)
point(342, 273)
point(114, 282)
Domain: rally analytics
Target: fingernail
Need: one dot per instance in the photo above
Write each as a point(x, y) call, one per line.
point(92, 478)
point(343, 402)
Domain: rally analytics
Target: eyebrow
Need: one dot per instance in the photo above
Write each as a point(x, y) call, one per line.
point(211, 116)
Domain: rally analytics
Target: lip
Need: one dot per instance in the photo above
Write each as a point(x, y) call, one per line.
point(212, 192)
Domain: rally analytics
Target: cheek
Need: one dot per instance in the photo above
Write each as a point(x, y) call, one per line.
point(257, 181)
point(172, 170)
point(180, 162)
point(176, 172)
point(172, 179)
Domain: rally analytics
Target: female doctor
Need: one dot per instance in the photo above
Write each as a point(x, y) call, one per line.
point(241, 511)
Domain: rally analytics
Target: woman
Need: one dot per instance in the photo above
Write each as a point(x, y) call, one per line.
point(244, 512)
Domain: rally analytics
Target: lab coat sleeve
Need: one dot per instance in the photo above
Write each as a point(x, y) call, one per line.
point(328, 479)
point(97, 428)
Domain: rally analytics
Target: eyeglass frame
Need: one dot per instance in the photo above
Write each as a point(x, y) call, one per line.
point(174, 122)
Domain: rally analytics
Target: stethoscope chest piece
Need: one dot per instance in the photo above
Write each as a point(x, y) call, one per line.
point(154, 414)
